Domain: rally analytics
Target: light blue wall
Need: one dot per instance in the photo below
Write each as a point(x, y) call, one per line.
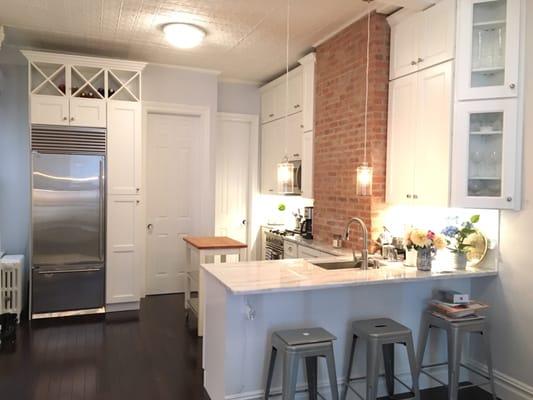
point(238, 98)
point(14, 158)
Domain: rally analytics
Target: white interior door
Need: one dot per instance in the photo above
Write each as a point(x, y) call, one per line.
point(173, 197)
point(232, 177)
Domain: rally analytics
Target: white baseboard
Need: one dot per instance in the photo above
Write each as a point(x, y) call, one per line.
point(131, 306)
point(507, 387)
point(323, 387)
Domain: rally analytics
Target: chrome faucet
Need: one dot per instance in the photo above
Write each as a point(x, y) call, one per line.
point(364, 252)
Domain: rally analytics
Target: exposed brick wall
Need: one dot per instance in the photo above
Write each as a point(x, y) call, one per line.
point(339, 125)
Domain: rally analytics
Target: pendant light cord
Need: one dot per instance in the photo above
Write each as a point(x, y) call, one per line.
point(367, 72)
point(287, 78)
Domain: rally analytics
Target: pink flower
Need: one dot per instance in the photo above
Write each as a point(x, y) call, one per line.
point(431, 235)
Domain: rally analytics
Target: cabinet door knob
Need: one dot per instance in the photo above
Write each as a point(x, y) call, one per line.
point(296, 106)
point(408, 196)
point(512, 86)
point(413, 62)
point(138, 190)
point(138, 201)
point(65, 118)
point(509, 199)
point(72, 118)
point(420, 60)
point(149, 227)
point(271, 115)
point(415, 196)
point(296, 155)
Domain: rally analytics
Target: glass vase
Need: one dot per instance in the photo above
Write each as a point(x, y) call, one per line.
point(423, 259)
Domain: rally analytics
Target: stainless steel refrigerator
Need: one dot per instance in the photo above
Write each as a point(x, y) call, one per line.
point(68, 220)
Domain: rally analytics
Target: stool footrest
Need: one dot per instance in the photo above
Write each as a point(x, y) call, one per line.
point(463, 366)
point(361, 378)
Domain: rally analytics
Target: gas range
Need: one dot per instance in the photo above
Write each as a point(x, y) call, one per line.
point(274, 242)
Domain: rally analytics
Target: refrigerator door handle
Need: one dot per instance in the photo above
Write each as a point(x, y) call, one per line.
point(68, 271)
point(102, 213)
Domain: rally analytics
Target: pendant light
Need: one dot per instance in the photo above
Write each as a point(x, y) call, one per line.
point(285, 169)
point(364, 171)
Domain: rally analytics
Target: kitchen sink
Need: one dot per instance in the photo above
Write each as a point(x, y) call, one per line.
point(372, 263)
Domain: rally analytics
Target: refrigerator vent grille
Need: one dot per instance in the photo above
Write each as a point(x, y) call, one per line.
point(47, 139)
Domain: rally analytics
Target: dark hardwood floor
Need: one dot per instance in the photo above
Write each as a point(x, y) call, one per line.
point(152, 357)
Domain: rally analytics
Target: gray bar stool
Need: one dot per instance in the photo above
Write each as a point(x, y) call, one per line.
point(297, 344)
point(455, 332)
point(385, 333)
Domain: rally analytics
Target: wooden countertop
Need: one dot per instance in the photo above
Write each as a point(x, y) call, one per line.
point(214, 242)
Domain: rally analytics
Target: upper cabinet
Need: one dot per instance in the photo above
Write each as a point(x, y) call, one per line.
point(74, 90)
point(486, 155)
point(488, 49)
point(419, 137)
point(423, 39)
point(287, 119)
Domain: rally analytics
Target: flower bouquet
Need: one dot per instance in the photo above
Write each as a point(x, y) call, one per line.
point(422, 243)
point(459, 240)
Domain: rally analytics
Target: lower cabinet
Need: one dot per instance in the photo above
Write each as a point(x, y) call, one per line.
point(308, 252)
point(290, 249)
point(123, 250)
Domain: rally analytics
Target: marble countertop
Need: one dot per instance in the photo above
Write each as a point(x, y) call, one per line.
point(256, 277)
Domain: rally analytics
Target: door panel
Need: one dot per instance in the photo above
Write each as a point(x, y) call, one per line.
point(404, 46)
point(67, 209)
point(400, 142)
point(173, 197)
point(272, 152)
point(433, 136)
point(437, 36)
point(122, 250)
point(232, 178)
point(52, 110)
point(124, 147)
point(88, 112)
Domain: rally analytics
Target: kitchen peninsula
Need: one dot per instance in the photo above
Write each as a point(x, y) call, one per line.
point(246, 302)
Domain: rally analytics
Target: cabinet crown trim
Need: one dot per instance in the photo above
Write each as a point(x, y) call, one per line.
point(58, 58)
point(281, 79)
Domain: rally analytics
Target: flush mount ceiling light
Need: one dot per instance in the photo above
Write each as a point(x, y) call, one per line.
point(183, 36)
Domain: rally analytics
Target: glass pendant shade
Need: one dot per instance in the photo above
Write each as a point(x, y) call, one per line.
point(285, 177)
point(364, 180)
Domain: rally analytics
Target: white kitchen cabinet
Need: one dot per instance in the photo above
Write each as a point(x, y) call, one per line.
point(419, 137)
point(88, 112)
point(486, 155)
point(488, 49)
point(296, 93)
point(123, 241)
point(267, 106)
point(308, 252)
point(290, 249)
point(49, 110)
point(308, 80)
point(294, 138)
point(423, 39)
point(272, 152)
point(124, 147)
point(307, 164)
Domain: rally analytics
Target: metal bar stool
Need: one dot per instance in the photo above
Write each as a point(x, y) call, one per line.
point(386, 333)
point(455, 332)
point(307, 344)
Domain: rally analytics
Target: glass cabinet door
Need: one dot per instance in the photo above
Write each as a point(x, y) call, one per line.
point(485, 154)
point(488, 49)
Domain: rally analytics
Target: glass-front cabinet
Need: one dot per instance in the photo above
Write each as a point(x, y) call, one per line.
point(486, 154)
point(488, 49)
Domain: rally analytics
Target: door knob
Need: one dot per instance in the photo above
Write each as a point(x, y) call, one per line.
point(64, 118)
point(149, 227)
point(509, 199)
point(244, 222)
point(420, 59)
point(413, 62)
point(408, 196)
point(512, 86)
point(72, 118)
point(415, 196)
